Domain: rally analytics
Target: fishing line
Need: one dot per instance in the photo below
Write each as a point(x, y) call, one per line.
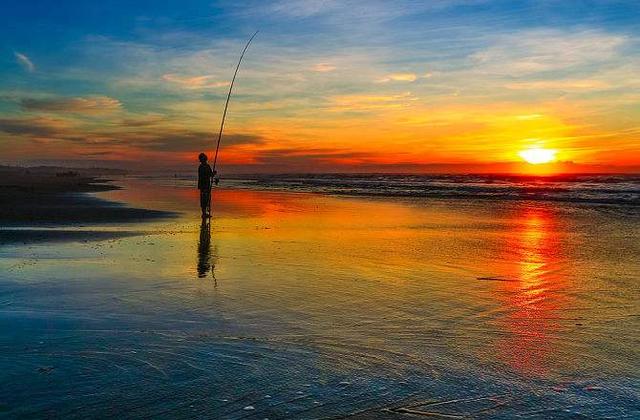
point(226, 105)
point(224, 114)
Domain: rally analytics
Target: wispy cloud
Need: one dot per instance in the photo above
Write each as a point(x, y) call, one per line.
point(403, 77)
point(195, 82)
point(534, 51)
point(33, 127)
point(323, 67)
point(364, 102)
point(585, 84)
point(154, 135)
point(84, 105)
point(398, 77)
point(25, 62)
point(302, 8)
point(338, 11)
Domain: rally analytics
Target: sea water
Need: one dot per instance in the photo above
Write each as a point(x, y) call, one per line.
point(322, 296)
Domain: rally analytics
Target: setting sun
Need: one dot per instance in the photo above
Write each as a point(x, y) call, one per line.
point(538, 155)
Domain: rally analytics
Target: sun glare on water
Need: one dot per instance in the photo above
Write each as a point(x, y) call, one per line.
point(538, 155)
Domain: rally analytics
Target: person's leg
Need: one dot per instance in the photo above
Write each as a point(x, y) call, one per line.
point(204, 201)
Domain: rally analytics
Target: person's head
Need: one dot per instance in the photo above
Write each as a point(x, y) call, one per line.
point(202, 158)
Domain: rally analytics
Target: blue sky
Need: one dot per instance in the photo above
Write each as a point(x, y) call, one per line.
point(327, 84)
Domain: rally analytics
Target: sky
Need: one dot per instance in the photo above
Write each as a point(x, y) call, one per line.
point(326, 86)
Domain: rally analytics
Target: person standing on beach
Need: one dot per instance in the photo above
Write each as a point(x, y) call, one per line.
point(205, 178)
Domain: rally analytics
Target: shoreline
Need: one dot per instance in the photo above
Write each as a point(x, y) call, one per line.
point(45, 199)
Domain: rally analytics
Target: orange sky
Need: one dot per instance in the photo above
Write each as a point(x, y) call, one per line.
point(326, 87)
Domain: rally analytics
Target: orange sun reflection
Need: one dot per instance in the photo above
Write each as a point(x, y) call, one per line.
point(532, 296)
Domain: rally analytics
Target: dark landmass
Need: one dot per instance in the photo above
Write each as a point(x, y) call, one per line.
point(57, 197)
point(24, 236)
point(55, 170)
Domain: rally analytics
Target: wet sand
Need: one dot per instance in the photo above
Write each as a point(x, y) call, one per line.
point(35, 200)
point(295, 305)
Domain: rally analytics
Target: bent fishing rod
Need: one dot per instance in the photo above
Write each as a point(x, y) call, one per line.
point(224, 114)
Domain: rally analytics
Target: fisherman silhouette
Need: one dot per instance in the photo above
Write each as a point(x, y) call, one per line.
point(205, 179)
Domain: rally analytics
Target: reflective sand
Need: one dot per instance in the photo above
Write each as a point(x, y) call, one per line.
point(308, 306)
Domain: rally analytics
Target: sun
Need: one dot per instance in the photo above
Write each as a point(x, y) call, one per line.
point(537, 155)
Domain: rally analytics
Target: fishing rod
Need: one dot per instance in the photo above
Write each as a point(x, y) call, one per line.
point(224, 114)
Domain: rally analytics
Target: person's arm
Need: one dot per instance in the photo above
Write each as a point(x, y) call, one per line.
point(213, 176)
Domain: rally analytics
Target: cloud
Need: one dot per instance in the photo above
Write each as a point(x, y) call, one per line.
point(362, 102)
point(398, 77)
point(559, 84)
point(304, 159)
point(195, 82)
point(86, 105)
point(152, 135)
point(341, 12)
point(540, 50)
point(25, 62)
point(179, 140)
point(323, 67)
point(142, 121)
point(34, 127)
point(302, 8)
point(528, 117)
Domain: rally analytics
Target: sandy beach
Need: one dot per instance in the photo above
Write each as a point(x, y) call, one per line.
point(306, 305)
point(35, 200)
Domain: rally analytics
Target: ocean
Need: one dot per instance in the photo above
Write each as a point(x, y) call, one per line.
point(595, 189)
point(333, 296)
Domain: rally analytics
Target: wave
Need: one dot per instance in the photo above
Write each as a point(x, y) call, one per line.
point(597, 189)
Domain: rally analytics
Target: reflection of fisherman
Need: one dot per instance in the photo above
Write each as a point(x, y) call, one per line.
point(204, 249)
point(205, 178)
